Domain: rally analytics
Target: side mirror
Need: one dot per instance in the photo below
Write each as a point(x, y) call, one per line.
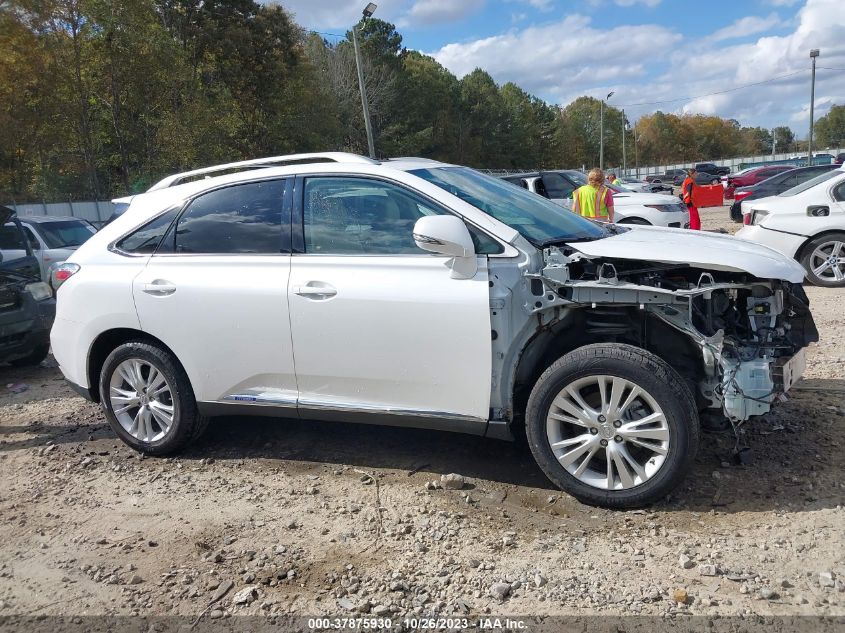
point(448, 235)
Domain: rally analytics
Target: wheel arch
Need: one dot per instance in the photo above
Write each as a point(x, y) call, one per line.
point(799, 254)
point(587, 327)
point(105, 344)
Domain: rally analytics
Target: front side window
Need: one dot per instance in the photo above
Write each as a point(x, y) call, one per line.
point(558, 187)
point(241, 219)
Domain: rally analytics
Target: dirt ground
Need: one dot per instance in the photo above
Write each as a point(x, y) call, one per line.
point(319, 518)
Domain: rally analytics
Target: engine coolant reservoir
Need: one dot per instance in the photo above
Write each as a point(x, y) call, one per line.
point(747, 387)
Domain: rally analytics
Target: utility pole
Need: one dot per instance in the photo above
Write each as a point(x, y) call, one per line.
point(774, 143)
point(367, 12)
point(601, 131)
point(624, 131)
point(813, 54)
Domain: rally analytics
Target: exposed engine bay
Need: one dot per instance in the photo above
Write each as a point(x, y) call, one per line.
point(751, 334)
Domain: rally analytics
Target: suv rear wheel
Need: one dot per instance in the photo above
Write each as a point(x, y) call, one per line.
point(148, 399)
point(613, 425)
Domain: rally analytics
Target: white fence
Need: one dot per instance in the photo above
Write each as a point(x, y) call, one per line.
point(95, 212)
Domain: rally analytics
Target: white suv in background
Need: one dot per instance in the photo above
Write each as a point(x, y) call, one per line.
point(630, 207)
point(413, 293)
point(806, 223)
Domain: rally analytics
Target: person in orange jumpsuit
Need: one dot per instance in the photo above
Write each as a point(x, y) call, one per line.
point(687, 189)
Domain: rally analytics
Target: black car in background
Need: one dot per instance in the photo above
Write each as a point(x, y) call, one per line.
point(27, 307)
point(701, 178)
point(712, 168)
point(775, 185)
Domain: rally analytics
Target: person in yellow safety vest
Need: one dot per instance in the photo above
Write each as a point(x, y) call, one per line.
point(594, 200)
point(612, 179)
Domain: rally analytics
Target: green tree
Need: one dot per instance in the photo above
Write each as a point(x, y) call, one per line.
point(784, 138)
point(829, 130)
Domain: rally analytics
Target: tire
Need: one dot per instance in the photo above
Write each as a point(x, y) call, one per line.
point(665, 392)
point(138, 416)
point(736, 212)
point(830, 244)
point(638, 221)
point(33, 358)
point(715, 181)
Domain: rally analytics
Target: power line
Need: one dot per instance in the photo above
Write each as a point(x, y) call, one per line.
point(710, 94)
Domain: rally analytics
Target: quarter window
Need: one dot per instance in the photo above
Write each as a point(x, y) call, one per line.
point(146, 239)
point(242, 219)
point(358, 216)
point(839, 193)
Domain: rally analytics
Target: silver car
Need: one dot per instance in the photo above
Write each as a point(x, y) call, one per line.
point(52, 238)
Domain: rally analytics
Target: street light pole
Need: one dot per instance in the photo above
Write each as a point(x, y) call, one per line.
point(813, 54)
point(601, 131)
point(368, 12)
point(624, 130)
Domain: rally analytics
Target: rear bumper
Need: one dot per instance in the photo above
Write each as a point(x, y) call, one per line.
point(785, 243)
point(85, 392)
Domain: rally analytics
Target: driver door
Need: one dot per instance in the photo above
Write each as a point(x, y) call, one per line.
point(381, 332)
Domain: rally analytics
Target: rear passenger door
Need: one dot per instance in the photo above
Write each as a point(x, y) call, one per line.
point(215, 292)
point(381, 331)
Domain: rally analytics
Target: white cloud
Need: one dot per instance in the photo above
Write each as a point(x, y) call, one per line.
point(569, 52)
point(652, 63)
point(542, 5)
point(630, 3)
point(782, 3)
point(440, 11)
point(744, 27)
point(338, 14)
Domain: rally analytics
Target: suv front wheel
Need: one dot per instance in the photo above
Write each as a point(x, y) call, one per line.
point(613, 425)
point(148, 399)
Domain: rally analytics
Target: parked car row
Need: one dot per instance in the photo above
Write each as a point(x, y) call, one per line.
point(630, 207)
point(806, 223)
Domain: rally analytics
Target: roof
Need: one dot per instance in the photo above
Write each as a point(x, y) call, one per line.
point(42, 219)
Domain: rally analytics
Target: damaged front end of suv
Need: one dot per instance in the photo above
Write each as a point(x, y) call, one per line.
point(743, 339)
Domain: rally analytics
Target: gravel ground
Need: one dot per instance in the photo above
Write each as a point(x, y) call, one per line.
point(285, 517)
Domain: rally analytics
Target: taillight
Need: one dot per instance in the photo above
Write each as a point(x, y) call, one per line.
point(746, 219)
point(739, 195)
point(60, 273)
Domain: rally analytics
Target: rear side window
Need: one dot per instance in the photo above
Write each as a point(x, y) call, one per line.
point(11, 238)
point(242, 219)
point(146, 239)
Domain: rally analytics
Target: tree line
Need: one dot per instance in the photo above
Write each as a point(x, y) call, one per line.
point(100, 98)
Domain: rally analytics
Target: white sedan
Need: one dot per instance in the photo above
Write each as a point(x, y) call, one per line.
point(806, 223)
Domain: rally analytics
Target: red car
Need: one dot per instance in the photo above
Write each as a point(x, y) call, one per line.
point(752, 177)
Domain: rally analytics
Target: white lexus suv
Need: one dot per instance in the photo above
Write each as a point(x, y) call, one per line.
point(414, 293)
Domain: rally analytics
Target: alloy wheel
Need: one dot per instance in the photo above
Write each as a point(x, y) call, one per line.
point(827, 261)
point(141, 399)
point(608, 432)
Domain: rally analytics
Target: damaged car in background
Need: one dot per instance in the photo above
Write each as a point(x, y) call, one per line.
point(409, 292)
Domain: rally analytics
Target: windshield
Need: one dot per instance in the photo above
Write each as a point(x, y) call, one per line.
point(539, 220)
point(65, 233)
point(812, 182)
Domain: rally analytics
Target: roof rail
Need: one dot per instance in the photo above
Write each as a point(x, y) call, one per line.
point(270, 161)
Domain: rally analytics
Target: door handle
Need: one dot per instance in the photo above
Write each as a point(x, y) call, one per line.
point(159, 288)
point(324, 291)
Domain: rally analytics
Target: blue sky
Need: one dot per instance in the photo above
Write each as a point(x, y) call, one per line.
point(674, 52)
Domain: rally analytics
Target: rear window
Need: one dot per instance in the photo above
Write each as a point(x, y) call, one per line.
point(812, 182)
